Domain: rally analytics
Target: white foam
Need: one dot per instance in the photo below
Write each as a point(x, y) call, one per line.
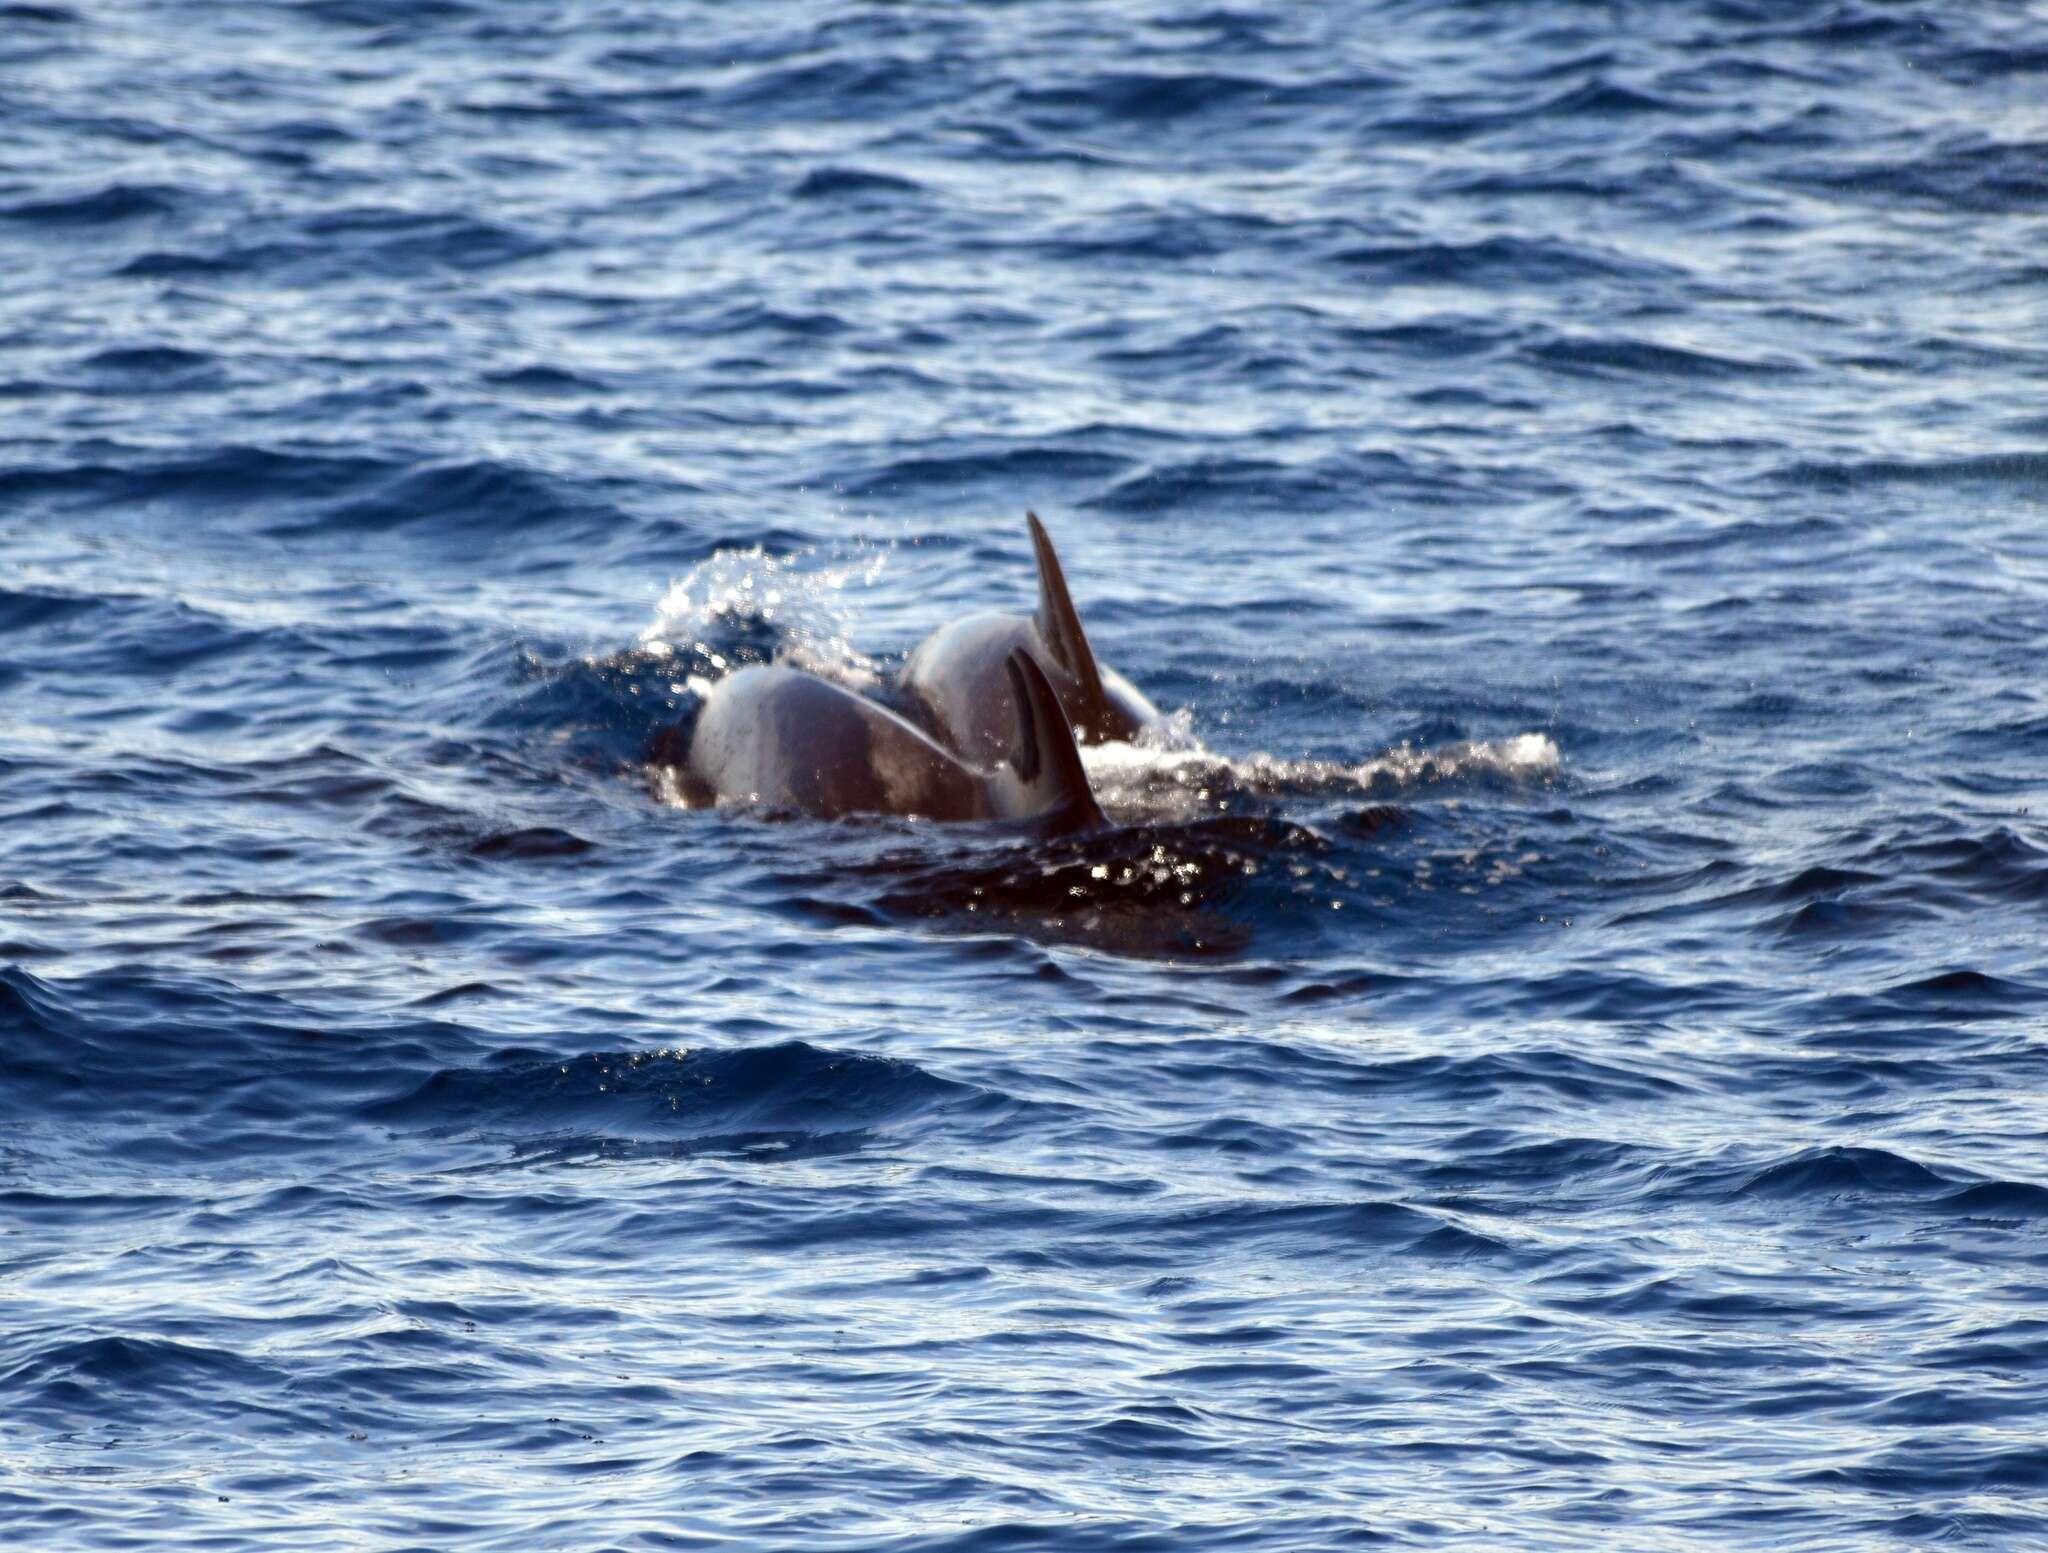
point(1169, 778)
point(1526, 757)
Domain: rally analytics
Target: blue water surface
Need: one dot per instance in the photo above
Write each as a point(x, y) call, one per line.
point(1553, 1053)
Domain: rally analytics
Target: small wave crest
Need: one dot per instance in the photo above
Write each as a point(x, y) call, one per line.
point(86, 1376)
point(777, 1100)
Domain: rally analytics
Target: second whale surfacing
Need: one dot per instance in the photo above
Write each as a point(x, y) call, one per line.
point(781, 739)
point(956, 673)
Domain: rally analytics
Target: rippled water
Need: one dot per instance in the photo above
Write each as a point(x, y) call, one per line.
point(1552, 1054)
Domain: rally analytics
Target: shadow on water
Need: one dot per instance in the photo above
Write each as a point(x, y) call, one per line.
point(1199, 888)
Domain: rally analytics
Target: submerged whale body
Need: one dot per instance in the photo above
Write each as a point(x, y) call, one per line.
point(782, 739)
point(955, 675)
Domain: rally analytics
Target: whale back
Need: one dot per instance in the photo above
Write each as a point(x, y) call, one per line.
point(957, 675)
point(780, 739)
point(777, 738)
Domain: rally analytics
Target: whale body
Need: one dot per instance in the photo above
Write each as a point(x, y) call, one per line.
point(780, 739)
point(955, 675)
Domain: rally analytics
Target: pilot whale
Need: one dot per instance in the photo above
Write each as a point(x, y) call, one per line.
point(783, 739)
point(954, 676)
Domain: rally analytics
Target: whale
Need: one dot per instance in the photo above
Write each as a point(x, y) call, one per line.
point(780, 739)
point(953, 678)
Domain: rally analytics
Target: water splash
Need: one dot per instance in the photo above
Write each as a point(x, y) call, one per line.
point(748, 605)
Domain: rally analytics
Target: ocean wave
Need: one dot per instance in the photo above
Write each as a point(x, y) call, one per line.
point(1239, 484)
point(405, 240)
point(2022, 468)
point(1969, 174)
point(1495, 262)
point(1832, 1171)
point(150, 362)
point(1996, 863)
point(1578, 483)
point(486, 495)
point(104, 206)
point(876, 86)
point(1142, 97)
point(1648, 358)
point(231, 478)
point(78, 1382)
point(853, 183)
point(791, 1100)
point(32, 609)
point(999, 471)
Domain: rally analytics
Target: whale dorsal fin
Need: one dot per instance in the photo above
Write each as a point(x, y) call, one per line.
point(1045, 766)
point(1060, 628)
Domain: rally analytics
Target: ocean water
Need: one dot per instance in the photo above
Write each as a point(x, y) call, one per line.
point(1553, 1052)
